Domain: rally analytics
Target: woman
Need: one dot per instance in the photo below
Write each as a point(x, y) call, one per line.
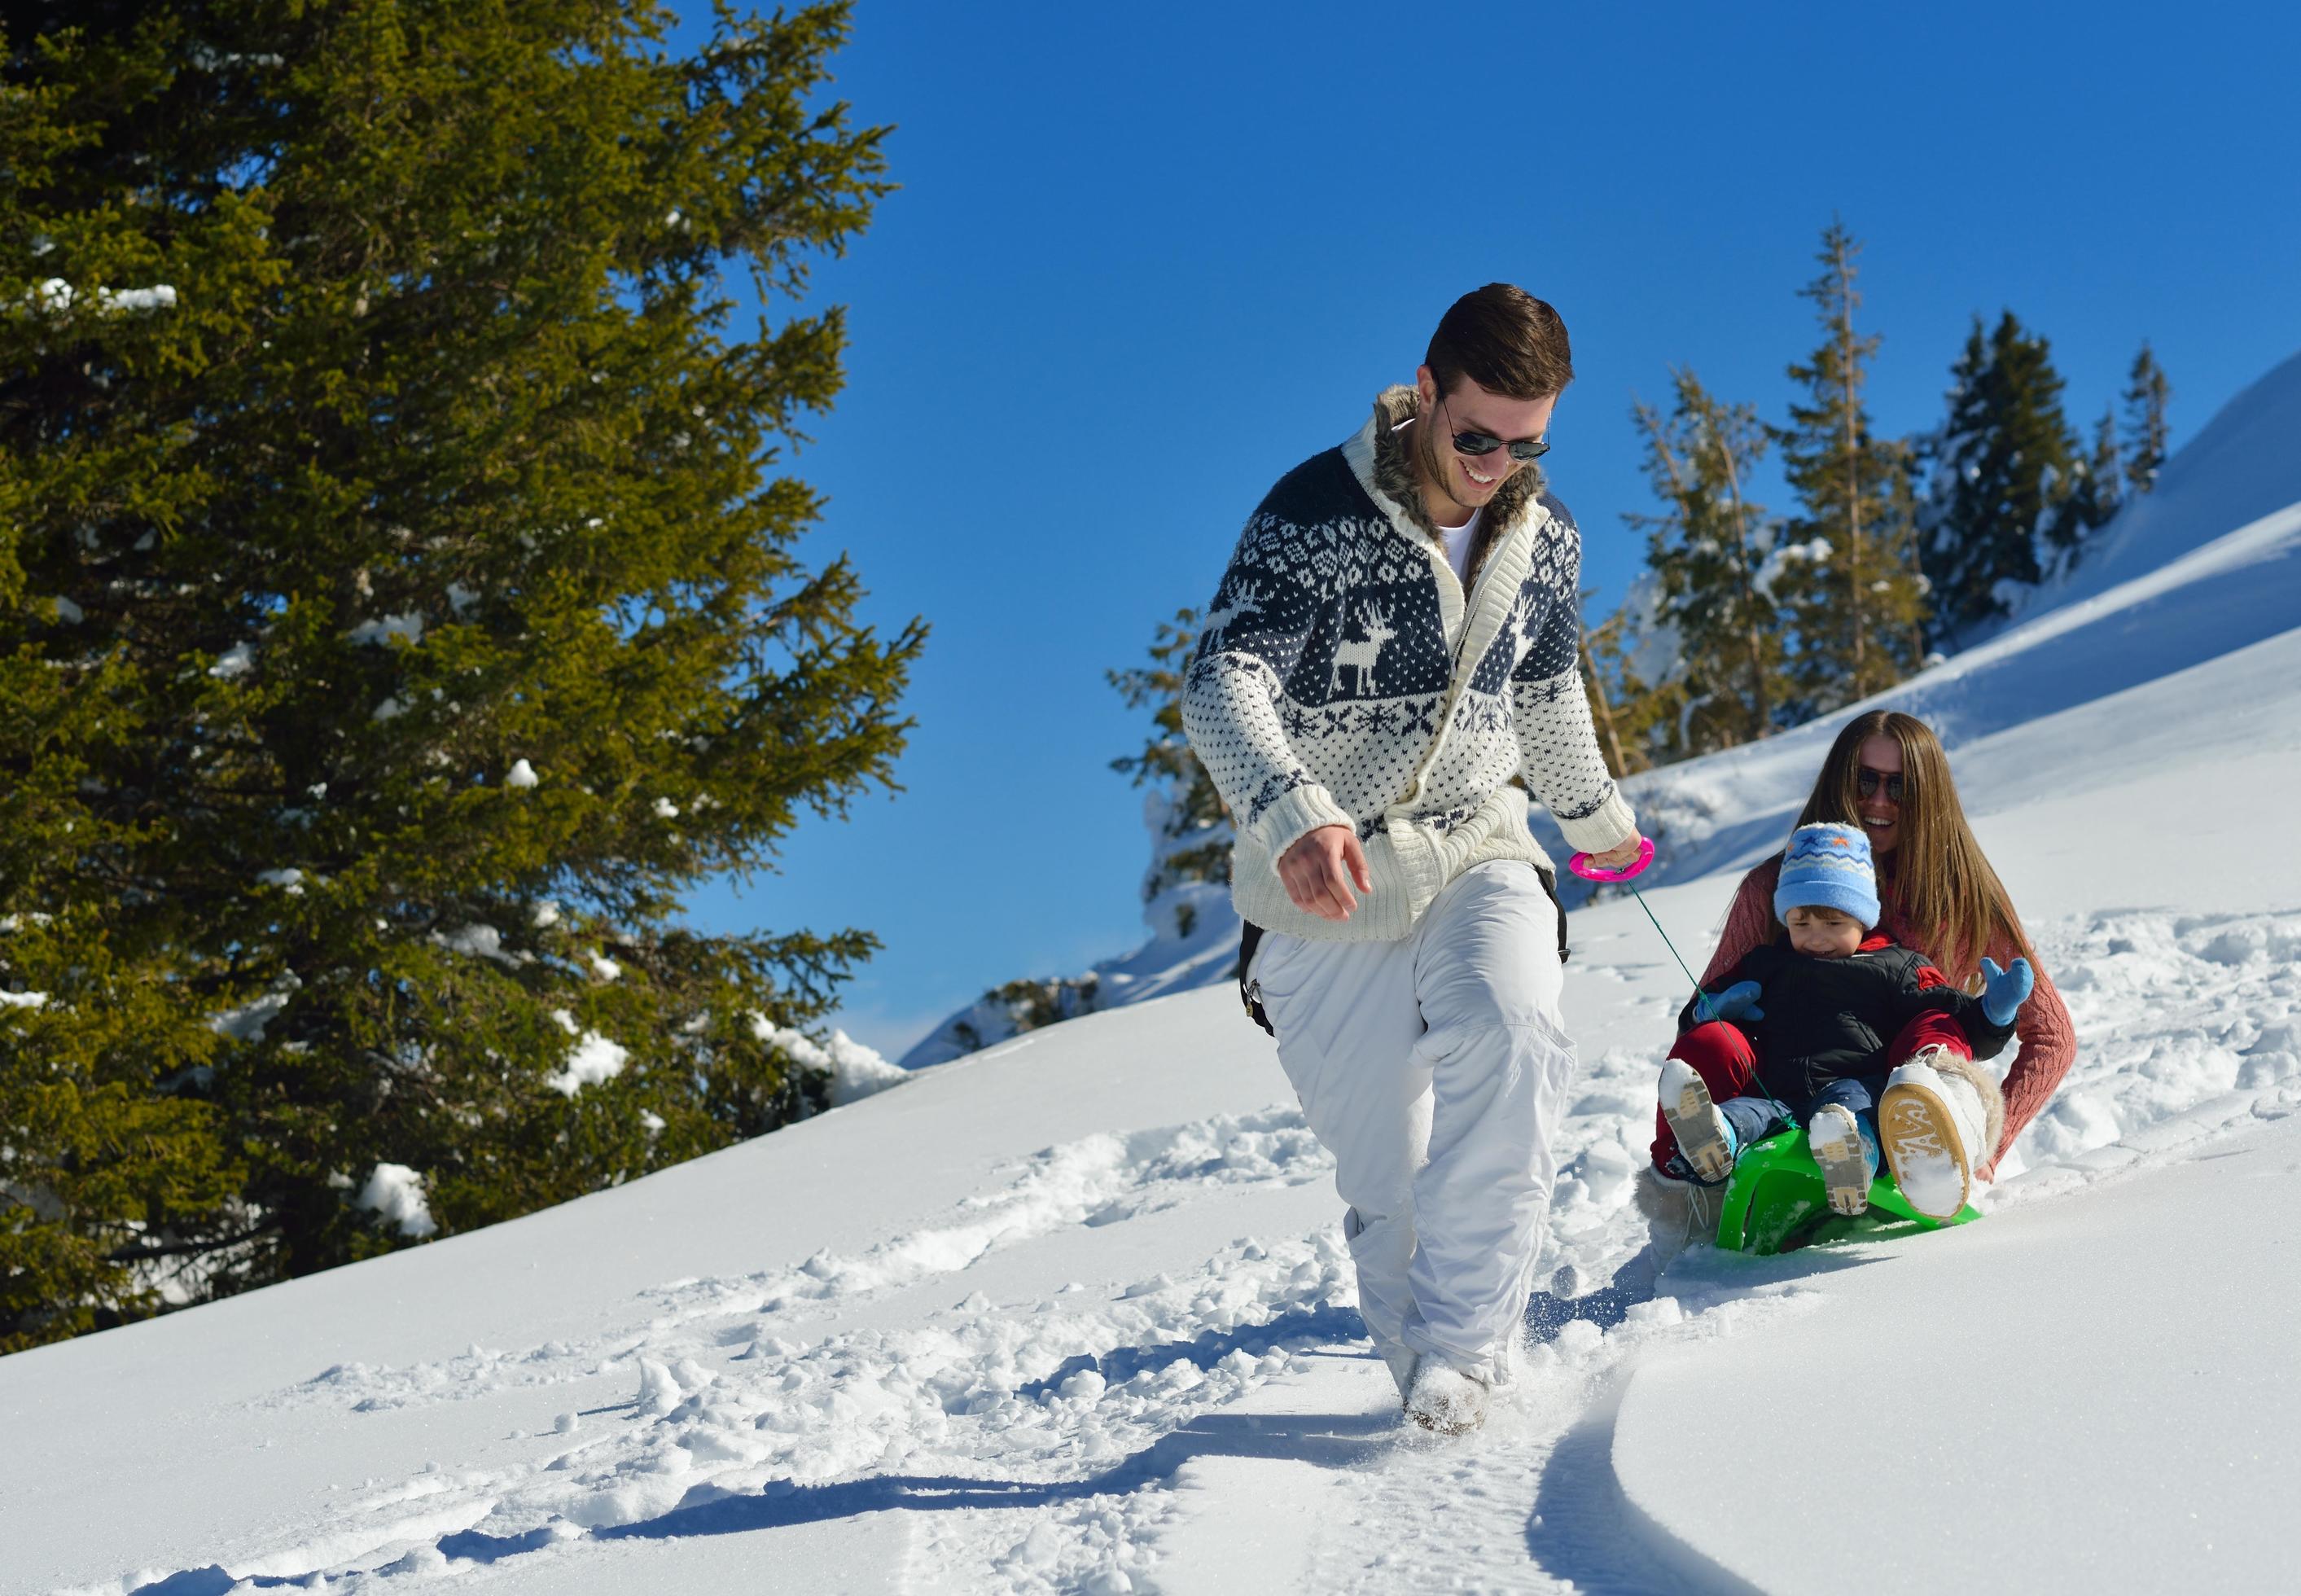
point(1886, 772)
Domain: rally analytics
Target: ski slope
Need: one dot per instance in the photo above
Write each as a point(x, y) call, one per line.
point(1072, 1314)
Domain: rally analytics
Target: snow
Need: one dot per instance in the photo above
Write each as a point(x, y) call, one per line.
point(1073, 1313)
point(2139, 1338)
point(856, 1071)
point(594, 1058)
point(396, 1192)
point(57, 296)
point(520, 774)
point(234, 661)
point(246, 1023)
point(159, 296)
point(409, 627)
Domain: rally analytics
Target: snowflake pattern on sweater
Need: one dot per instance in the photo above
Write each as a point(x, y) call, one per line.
point(1343, 676)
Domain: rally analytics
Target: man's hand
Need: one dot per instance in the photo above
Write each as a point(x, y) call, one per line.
point(1318, 871)
point(1614, 858)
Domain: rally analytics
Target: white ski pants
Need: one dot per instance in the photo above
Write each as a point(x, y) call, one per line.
point(1435, 1068)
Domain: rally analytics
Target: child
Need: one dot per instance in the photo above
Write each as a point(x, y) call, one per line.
point(1842, 1006)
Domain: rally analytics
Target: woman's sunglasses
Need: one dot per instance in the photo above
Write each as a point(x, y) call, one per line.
point(1485, 443)
point(1868, 779)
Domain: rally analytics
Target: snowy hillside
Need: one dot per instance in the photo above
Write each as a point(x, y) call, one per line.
point(1073, 1313)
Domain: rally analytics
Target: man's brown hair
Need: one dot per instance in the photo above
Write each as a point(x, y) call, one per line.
point(1503, 339)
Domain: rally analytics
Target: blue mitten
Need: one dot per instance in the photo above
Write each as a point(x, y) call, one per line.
point(1736, 1002)
point(2003, 991)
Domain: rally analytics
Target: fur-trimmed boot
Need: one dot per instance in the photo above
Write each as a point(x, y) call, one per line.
point(1677, 1213)
point(1704, 1139)
point(1939, 1119)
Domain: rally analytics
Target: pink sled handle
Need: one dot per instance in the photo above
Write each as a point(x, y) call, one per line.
point(1580, 865)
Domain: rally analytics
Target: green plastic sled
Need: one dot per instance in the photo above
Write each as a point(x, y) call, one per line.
point(1775, 1202)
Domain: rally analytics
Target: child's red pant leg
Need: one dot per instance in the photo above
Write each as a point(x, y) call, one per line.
point(1721, 1054)
point(1932, 1029)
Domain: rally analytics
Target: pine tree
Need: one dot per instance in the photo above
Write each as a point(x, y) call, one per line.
point(1709, 552)
point(2146, 394)
point(2003, 462)
point(1632, 661)
point(402, 610)
point(1189, 824)
point(1858, 600)
point(1595, 678)
point(2096, 491)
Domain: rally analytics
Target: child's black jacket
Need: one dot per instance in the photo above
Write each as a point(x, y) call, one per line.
point(1829, 1019)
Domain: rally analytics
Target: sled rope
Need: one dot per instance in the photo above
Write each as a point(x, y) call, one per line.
point(1580, 866)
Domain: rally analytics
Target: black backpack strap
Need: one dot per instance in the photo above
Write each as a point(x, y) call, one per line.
point(1550, 885)
point(1250, 938)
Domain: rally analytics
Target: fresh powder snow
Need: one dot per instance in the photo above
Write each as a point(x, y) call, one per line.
point(1072, 1312)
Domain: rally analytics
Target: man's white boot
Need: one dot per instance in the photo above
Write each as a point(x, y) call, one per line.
point(1401, 1362)
point(1445, 1400)
point(1938, 1121)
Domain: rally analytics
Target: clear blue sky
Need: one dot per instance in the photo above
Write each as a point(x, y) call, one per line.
point(1145, 260)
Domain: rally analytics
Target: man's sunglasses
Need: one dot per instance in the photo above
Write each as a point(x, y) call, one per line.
point(1868, 779)
point(1485, 443)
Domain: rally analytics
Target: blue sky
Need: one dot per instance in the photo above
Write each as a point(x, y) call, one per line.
point(1145, 260)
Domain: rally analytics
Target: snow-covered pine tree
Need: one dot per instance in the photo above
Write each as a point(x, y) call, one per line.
point(1709, 552)
point(402, 608)
point(2096, 490)
point(1857, 601)
point(2147, 392)
point(2001, 464)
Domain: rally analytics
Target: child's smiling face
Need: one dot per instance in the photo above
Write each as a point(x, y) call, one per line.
point(1823, 933)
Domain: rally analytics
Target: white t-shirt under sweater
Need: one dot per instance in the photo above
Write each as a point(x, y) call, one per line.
point(1459, 541)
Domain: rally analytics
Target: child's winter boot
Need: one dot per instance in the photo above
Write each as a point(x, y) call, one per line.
point(1704, 1139)
point(1939, 1118)
point(1848, 1162)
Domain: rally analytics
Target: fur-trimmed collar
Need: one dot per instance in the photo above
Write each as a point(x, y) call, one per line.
point(1393, 472)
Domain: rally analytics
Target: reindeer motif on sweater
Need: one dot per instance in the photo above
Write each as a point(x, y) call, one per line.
point(1363, 656)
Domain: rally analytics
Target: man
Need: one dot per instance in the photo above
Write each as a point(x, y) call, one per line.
point(1389, 665)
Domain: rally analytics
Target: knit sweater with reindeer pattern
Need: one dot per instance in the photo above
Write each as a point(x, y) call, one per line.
point(1344, 677)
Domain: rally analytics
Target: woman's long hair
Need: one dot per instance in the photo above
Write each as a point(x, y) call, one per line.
point(1941, 884)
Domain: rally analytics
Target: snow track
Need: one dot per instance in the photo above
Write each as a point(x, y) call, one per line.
point(1053, 1443)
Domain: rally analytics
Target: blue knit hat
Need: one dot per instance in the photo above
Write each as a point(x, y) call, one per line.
point(1829, 867)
